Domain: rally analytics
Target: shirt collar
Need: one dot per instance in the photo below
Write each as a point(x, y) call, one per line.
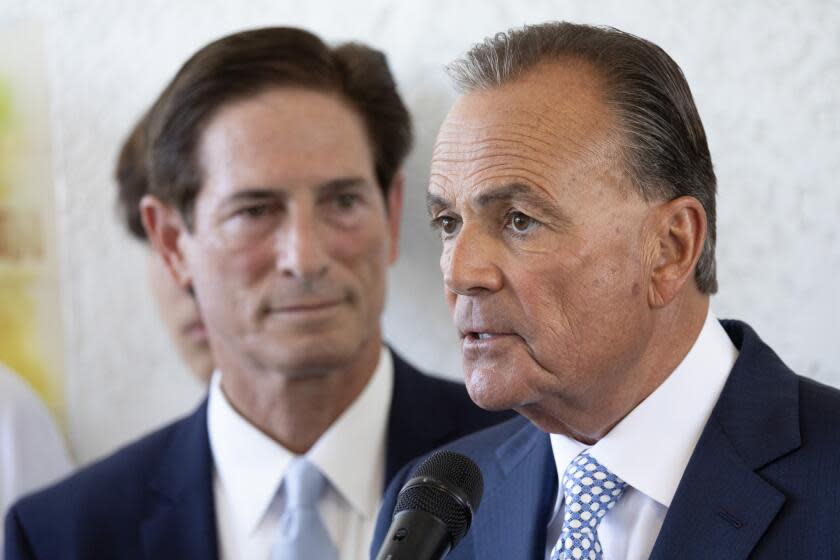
point(351, 453)
point(250, 465)
point(651, 446)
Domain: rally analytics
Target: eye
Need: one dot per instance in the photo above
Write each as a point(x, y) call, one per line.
point(446, 224)
point(256, 211)
point(521, 223)
point(347, 201)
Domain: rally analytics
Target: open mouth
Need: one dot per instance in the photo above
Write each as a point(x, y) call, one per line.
point(484, 335)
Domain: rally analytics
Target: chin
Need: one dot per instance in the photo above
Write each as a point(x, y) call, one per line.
point(309, 364)
point(313, 356)
point(489, 390)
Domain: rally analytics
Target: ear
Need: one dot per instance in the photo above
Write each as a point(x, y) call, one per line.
point(394, 205)
point(166, 229)
point(680, 233)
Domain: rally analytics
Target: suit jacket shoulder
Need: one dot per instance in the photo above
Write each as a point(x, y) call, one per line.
point(763, 480)
point(519, 491)
point(127, 503)
point(137, 502)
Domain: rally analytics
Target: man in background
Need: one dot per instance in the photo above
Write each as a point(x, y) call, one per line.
point(275, 199)
point(574, 193)
point(176, 305)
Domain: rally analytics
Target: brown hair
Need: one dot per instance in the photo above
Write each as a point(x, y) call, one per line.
point(249, 62)
point(132, 179)
point(663, 141)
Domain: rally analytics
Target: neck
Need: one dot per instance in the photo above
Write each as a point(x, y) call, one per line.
point(295, 411)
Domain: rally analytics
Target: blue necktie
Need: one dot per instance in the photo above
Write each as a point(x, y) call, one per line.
point(301, 534)
point(589, 492)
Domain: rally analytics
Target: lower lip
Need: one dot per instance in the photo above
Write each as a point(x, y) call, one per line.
point(307, 310)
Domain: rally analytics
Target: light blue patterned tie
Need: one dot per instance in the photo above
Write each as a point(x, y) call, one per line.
point(301, 533)
point(589, 492)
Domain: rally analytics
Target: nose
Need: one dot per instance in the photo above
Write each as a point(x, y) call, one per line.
point(469, 266)
point(301, 251)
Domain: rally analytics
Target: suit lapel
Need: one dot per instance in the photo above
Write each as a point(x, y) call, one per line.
point(520, 488)
point(180, 519)
point(416, 422)
point(722, 506)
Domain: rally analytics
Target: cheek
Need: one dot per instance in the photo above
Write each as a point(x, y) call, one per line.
point(361, 259)
point(608, 271)
point(551, 308)
point(565, 303)
point(545, 286)
point(226, 283)
point(224, 268)
point(367, 239)
point(450, 296)
point(590, 310)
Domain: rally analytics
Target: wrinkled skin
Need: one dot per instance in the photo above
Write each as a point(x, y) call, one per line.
point(548, 252)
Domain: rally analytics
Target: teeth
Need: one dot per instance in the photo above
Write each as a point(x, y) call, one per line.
point(483, 336)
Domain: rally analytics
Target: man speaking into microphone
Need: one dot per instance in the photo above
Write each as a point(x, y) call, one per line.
point(574, 194)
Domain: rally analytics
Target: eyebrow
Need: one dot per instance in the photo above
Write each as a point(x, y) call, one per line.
point(267, 193)
point(502, 193)
point(340, 184)
point(253, 194)
point(435, 202)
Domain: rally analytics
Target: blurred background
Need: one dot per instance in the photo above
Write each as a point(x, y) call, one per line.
point(76, 315)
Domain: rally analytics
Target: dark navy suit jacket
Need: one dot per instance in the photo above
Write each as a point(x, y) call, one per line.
point(154, 498)
point(762, 482)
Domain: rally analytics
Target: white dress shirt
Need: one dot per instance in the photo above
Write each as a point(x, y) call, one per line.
point(32, 451)
point(650, 447)
point(249, 467)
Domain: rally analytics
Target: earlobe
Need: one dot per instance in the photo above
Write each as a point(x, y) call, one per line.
point(681, 231)
point(394, 204)
point(164, 229)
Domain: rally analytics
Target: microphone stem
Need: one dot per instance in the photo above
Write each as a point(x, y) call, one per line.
point(415, 535)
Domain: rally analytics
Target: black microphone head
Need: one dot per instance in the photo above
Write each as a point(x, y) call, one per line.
point(447, 485)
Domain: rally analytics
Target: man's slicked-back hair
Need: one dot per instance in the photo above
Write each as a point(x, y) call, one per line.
point(661, 136)
point(250, 62)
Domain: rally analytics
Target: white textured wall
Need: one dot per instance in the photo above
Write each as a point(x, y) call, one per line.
point(765, 76)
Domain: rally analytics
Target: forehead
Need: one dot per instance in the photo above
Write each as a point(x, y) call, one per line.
point(549, 128)
point(283, 136)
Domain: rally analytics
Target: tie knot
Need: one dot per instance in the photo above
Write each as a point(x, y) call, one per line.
point(590, 491)
point(304, 484)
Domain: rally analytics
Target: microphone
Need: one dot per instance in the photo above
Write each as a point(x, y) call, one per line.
point(434, 508)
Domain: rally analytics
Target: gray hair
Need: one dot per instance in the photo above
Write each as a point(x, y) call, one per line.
point(663, 142)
